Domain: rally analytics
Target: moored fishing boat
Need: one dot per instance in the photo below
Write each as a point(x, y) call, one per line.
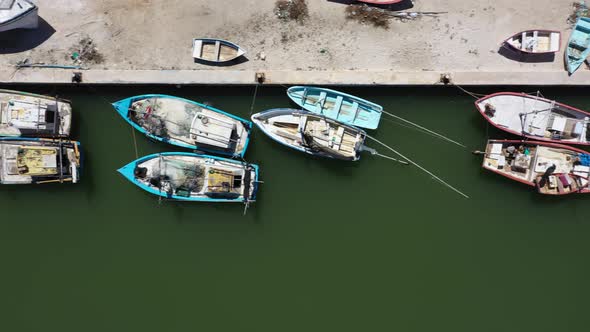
point(18, 14)
point(186, 123)
point(32, 115)
point(535, 41)
point(194, 177)
point(535, 117)
point(216, 50)
point(578, 46)
point(337, 105)
point(311, 133)
point(38, 160)
point(554, 169)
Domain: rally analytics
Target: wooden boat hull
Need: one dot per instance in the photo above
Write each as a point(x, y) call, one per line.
point(535, 42)
point(182, 123)
point(578, 46)
point(289, 127)
point(531, 161)
point(39, 161)
point(337, 105)
point(216, 50)
point(31, 115)
point(148, 174)
point(22, 14)
point(535, 118)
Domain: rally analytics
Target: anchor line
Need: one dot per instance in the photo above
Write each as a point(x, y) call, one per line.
point(425, 129)
point(420, 167)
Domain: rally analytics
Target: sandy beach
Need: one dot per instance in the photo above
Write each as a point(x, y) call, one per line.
point(157, 35)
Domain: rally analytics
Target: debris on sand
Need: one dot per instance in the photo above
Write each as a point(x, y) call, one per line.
point(380, 17)
point(85, 51)
point(291, 10)
point(368, 15)
point(579, 10)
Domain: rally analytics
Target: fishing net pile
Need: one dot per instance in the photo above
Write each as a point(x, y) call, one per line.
point(144, 115)
point(178, 176)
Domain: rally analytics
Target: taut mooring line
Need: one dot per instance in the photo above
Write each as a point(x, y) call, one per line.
point(254, 98)
point(420, 167)
point(425, 129)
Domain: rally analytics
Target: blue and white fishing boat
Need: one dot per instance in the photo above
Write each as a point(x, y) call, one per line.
point(194, 177)
point(578, 46)
point(39, 160)
point(186, 123)
point(337, 105)
point(311, 133)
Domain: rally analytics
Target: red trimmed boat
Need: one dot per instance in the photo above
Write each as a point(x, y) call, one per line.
point(535, 117)
point(535, 41)
point(554, 169)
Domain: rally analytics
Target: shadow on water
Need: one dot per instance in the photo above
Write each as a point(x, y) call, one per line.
point(20, 40)
point(511, 54)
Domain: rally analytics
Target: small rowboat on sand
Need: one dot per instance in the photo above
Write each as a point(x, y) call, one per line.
point(216, 50)
point(311, 133)
point(337, 105)
point(536, 41)
point(194, 177)
point(554, 169)
point(535, 117)
point(578, 46)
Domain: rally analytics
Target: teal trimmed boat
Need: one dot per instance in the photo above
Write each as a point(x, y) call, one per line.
point(194, 177)
point(578, 46)
point(337, 105)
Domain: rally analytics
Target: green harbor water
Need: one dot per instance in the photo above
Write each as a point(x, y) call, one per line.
point(328, 246)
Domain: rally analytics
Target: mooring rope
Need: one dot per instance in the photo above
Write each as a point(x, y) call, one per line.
point(432, 132)
point(254, 98)
point(472, 94)
point(420, 167)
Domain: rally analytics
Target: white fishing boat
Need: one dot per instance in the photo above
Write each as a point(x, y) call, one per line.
point(39, 160)
point(18, 14)
point(311, 133)
point(535, 117)
point(32, 115)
